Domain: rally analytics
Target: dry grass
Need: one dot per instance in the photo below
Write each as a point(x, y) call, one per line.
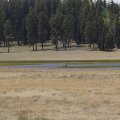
point(82, 53)
point(59, 94)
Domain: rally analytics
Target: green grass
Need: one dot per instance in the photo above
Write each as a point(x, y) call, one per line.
point(91, 67)
point(32, 62)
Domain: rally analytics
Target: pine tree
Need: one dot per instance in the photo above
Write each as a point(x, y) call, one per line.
point(56, 24)
point(1, 22)
point(68, 29)
point(32, 28)
point(79, 21)
point(42, 28)
point(106, 26)
point(89, 32)
point(109, 43)
point(118, 32)
point(8, 31)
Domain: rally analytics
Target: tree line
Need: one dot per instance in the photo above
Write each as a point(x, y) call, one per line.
point(29, 22)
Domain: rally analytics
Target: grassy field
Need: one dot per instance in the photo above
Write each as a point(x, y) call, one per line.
point(59, 94)
point(25, 53)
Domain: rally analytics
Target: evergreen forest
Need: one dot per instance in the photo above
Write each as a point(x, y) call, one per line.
point(33, 22)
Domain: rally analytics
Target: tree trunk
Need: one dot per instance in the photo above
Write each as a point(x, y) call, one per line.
point(103, 41)
point(56, 45)
point(42, 46)
point(18, 43)
point(65, 45)
point(90, 45)
point(8, 46)
point(93, 45)
point(33, 47)
point(36, 46)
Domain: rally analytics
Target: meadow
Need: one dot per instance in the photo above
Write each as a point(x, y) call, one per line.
point(59, 94)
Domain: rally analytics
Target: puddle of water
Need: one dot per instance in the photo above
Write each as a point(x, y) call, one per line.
point(69, 65)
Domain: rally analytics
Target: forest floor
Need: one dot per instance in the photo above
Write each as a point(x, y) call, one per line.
point(59, 94)
point(74, 53)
